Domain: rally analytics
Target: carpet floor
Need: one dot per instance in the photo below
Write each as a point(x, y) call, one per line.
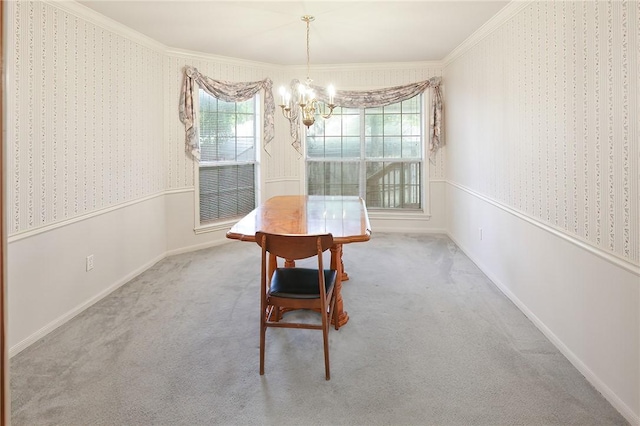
point(430, 341)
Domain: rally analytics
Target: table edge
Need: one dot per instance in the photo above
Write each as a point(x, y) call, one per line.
point(337, 240)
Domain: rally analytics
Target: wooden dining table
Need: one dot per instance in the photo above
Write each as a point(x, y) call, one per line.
point(345, 217)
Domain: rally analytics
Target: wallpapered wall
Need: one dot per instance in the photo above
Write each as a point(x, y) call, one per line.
point(558, 143)
point(93, 113)
point(82, 114)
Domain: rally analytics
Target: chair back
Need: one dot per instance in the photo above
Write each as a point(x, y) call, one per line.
point(294, 247)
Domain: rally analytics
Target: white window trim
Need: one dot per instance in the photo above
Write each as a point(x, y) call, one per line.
point(225, 224)
point(386, 214)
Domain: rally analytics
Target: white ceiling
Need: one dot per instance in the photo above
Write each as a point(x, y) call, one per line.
point(351, 32)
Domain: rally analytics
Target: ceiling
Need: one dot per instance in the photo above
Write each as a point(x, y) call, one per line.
point(272, 31)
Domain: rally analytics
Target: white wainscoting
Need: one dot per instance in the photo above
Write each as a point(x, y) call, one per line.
point(180, 219)
point(583, 302)
point(48, 281)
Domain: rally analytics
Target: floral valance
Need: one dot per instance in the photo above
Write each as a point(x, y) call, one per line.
point(228, 92)
point(378, 98)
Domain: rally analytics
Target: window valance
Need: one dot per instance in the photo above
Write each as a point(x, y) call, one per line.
point(228, 92)
point(378, 98)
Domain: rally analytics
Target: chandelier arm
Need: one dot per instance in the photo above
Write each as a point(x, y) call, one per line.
point(326, 116)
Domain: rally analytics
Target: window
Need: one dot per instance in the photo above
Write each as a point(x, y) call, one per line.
point(227, 170)
point(375, 153)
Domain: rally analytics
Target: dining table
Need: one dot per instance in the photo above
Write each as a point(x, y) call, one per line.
point(344, 217)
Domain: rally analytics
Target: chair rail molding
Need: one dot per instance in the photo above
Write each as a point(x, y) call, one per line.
point(622, 263)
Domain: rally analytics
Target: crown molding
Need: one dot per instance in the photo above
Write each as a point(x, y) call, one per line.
point(228, 60)
point(191, 54)
point(365, 66)
point(506, 13)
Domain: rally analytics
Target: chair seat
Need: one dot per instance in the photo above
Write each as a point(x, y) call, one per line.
point(300, 283)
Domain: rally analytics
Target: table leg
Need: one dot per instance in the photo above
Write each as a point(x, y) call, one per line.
point(345, 276)
point(336, 263)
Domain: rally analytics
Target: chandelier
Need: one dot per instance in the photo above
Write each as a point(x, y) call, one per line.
point(306, 98)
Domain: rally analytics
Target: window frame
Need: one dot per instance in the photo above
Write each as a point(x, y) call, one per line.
point(224, 224)
point(421, 214)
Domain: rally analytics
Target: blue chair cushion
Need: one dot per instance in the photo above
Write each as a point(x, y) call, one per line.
point(300, 283)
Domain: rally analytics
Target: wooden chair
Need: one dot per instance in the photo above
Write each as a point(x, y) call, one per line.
point(292, 288)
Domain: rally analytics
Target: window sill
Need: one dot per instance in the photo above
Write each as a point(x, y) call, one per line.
point(389, 215)
point(223, 225)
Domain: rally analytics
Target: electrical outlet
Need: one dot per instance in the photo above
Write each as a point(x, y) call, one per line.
point(89, 262)
point(480, 233)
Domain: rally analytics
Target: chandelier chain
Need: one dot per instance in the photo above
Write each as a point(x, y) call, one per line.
point(308, 54)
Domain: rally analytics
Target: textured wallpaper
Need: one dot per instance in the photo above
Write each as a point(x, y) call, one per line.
point(550, 106)
point(84, 108)
point(93, 114)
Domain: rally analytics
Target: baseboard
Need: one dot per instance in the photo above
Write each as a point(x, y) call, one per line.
point(404, 230)
point(201, 246)
point(20, 346)
point(609, 394)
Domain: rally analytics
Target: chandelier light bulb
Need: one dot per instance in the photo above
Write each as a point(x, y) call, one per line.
point(332, 93)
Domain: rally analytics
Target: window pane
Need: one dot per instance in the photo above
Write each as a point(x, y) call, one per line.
point(392, 124)
point(411, 147)
point(411, 105)
point(351, 147)
point(246, 107)
point(374, 147)
point(393, 185)
point(333, 178)
point(351, 125)
point(373, 124)
point(393, 108)
point(315, 178)
point(227, 107)
point(208, 151)
point(333, 147)
point(245, 125)
point(245, 147)
point(318, 128)
point(315, 147)
point(411, 124)
point(226, 149)
point(226, 124)
point(332, 127)
point(392, 147)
